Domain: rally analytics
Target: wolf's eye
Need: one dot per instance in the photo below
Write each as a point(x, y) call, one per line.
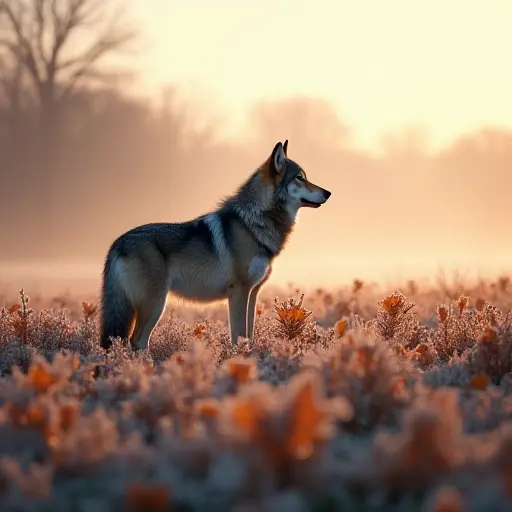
point(299, 177)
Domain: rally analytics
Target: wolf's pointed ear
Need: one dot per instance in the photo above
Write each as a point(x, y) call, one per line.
point(278, 157)
point(285, 147)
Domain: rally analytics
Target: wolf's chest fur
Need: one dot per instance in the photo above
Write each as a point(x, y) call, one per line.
point(206, 270)
point(214, 282)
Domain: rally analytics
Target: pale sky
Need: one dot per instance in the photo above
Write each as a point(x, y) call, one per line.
point(442, 64)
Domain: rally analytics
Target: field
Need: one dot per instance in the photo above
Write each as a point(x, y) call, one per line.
point(357, 399)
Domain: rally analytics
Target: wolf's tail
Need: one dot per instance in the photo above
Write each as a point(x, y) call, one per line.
point(117, 310)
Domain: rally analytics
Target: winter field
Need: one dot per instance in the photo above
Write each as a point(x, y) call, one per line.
point(359, 399)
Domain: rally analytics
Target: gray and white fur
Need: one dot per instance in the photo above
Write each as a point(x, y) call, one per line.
point(225, 254)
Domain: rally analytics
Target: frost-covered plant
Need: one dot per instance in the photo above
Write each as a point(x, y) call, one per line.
point(361, 405)
point(292, 317)
point(492, 353)
point(370, 374)
point(396, 322)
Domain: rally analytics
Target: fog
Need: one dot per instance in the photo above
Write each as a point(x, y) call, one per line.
point(83, 160)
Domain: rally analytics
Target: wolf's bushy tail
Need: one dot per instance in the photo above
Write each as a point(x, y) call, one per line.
point(117, 311)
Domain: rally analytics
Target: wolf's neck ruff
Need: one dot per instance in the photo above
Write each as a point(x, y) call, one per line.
point(270, 229)
point(268, 221)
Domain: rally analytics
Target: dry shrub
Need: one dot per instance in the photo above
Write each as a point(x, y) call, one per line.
point(292, 317)
point(370, 405)
point(458, 327)
point(491, 355)
point(431, 446)
point(370, 374)
point(235, 373)
point(397, 323)
point(286, 426)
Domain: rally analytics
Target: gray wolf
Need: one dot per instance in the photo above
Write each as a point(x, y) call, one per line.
point(225, 254)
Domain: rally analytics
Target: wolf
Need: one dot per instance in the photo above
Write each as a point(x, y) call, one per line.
point(224, 254)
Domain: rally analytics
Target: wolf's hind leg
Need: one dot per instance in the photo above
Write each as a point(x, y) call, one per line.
point(148, 314)
point(238, 300)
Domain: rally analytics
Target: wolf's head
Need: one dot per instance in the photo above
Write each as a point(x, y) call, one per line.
point(290, 182)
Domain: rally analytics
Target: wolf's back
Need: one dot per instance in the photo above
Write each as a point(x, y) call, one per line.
point(117, 312)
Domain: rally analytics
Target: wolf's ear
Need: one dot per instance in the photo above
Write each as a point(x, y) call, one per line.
point(278, 157)
point(285, 147)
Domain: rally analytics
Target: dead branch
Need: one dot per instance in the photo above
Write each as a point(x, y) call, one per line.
point(49, 39)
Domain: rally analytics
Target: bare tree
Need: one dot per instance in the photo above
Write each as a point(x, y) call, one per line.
point(49, 50)
point(60, 45)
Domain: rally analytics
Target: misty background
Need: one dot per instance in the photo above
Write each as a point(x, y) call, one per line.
point(86, 152)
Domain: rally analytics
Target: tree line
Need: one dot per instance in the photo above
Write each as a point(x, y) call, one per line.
point(82, 158)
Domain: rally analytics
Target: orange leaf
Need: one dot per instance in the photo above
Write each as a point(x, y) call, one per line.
point(341, 326)
point(422, 348)
point(391, 302)
point(247, 417)
point(489, 335)
point(14, 308)
point(240, 371)
point(68, 415)
point(39, 378)
point(199, 330)
point(209, 408)
point(442, 311)
point(88, 309)
point(463, 302)
point(305, 418)
point(145, 497)
point(297, 314)
point(479, 382)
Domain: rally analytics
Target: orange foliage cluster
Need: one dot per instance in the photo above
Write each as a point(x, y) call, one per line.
point(292, 316)
point(395, 401)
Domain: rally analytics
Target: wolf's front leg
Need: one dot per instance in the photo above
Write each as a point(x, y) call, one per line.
point(251, 309)
point(238, 300)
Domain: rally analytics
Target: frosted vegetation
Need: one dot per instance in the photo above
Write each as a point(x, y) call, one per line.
point(357, 400)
